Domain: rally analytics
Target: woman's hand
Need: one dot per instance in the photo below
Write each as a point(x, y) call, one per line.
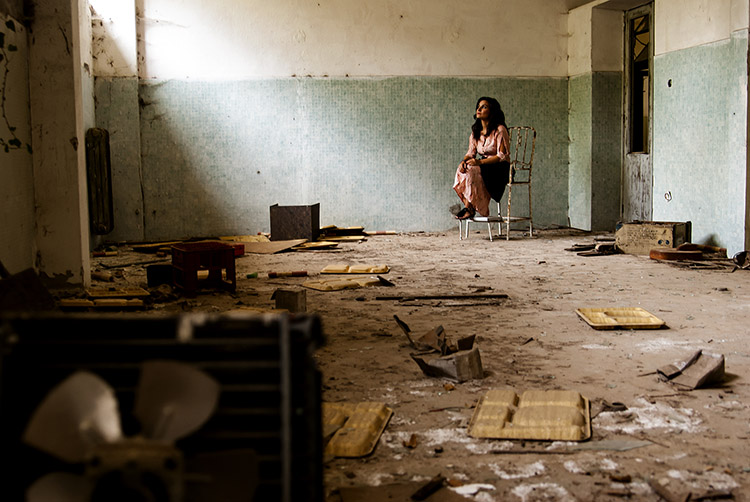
point(472, 162)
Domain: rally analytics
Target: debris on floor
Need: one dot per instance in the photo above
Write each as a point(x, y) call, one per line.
point(291, 300)
point(294, 273)
point(435, 340)
point(460, 366)
point(700, 369)
point(272, 247)
point(620, 318)
point(338, 284)
point(547, 415)
point(442, 357)
point(397, 493)
point(639, 237)
point(353, 429)
point(23, 291)
point(343, 268)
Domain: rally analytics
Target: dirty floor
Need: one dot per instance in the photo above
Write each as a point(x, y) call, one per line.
point(666, 444)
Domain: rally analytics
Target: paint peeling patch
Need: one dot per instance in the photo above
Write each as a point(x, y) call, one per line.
point(647, 416)
point(542, 491)
point(58, 280)
point(704, 480)
point(521, 472)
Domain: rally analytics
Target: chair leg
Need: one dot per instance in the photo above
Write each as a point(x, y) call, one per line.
point(531, 216)
point(507, 222)
point(489, 227)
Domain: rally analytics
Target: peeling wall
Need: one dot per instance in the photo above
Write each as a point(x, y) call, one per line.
point(59, 111)
point(17, 247)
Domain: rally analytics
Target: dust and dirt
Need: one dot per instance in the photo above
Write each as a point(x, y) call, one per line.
point(665, 440)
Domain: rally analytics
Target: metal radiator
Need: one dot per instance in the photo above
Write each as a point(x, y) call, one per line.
point(99, 174)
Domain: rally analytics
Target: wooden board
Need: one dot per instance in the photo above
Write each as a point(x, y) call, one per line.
point(117, 292)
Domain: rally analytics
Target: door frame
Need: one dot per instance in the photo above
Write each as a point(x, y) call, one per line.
point(642, 212)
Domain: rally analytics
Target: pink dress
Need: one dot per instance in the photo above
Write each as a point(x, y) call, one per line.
point(470, 186)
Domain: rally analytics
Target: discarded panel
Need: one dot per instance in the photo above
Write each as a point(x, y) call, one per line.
point(700, 369)
point(620, 318)
point(358, 427)
point(560, 415)
point(342, 268)
point(295, 222)
point(460, 366)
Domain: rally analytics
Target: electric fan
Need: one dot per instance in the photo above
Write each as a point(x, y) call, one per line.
point(79, 423)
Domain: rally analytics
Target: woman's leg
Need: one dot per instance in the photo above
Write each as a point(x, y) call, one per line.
point(470, 188)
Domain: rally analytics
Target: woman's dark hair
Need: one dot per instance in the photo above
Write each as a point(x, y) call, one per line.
point(497, 117)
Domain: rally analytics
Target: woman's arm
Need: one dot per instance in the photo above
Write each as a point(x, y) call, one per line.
point(502, 140)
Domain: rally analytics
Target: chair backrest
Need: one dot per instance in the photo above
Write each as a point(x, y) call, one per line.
point(522, 144)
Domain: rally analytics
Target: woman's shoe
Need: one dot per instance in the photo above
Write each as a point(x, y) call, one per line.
point(465, 214)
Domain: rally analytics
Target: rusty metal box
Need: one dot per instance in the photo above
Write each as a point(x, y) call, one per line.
point(295, 222)
point(640, 237)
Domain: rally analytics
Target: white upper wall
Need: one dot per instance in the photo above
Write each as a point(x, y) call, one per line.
point(592, 46)
point(114, 50)
point(236, 39)
point(696, 22)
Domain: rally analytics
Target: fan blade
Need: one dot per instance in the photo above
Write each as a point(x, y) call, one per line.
point(229, 476)
point(60, 487)
point(174, 399)
point(76, 415)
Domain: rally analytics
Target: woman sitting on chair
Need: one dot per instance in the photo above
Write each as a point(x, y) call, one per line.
point(483, 172)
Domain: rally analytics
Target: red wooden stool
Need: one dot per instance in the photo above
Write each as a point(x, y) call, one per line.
point(188, 258)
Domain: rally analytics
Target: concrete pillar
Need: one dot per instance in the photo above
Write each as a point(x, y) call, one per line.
point(58, 141)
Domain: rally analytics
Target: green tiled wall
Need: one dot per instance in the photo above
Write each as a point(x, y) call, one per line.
point(375, 152)
point(700, 124)
point(595, 150)
point(579, 182)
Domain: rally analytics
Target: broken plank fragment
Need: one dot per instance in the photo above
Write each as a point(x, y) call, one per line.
point(442, 297)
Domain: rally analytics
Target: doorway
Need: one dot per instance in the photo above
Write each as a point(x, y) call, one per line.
point(637, 173)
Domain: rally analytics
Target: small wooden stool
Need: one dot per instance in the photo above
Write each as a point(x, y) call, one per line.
point(188, 258)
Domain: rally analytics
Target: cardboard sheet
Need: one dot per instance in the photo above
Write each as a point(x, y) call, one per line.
point(547, 415)
point(271, 247)
point(315, 245)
